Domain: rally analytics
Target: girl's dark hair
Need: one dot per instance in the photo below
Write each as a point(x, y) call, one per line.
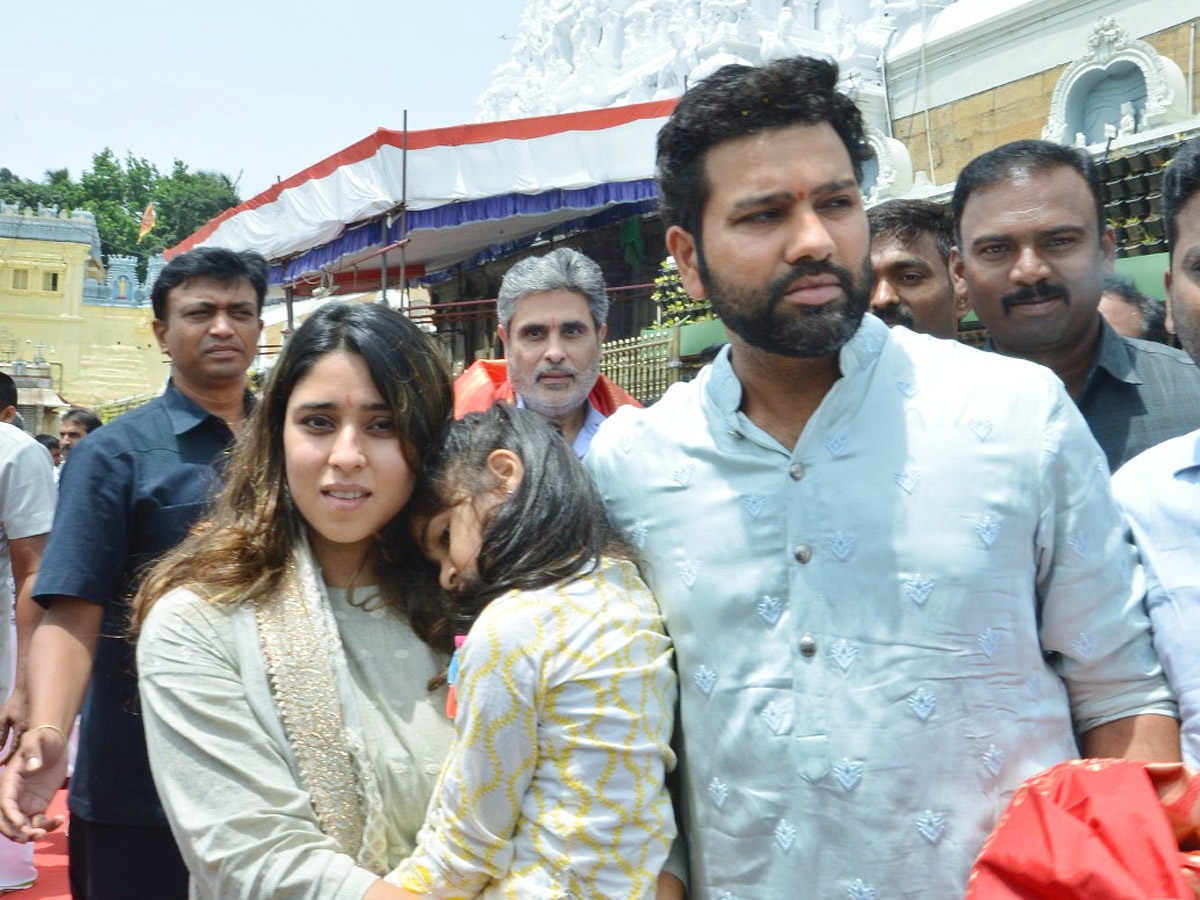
point(241, 550)
point(553, 528)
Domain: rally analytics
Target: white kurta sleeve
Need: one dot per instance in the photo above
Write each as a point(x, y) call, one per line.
point(1090, 591)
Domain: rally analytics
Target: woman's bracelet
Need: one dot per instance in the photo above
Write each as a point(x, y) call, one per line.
point(62, 734)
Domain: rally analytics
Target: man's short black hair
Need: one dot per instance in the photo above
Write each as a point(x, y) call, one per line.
point(212, 264)
point(736, 101)
point(49, 441)
point(8, 391)
point(85, 417)
point(1179, 184)
point(1009, 160)
point(907, 220)
point(1154, 317)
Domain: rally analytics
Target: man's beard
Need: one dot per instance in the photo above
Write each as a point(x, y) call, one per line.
point(808, 330)
point(555, 404)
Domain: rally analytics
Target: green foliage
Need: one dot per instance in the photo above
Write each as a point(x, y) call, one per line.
point(677, 305)
point(117, 192)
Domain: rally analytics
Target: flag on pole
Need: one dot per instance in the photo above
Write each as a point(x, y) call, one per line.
point(149, 220)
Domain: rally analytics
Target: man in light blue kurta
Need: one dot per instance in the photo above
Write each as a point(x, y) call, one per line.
point(890, 565)
point(1159, 490)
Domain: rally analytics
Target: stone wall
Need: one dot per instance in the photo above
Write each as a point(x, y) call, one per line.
point(962, 130)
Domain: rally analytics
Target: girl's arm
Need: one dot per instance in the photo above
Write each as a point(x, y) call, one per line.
point(381, 890)
point(467, 838)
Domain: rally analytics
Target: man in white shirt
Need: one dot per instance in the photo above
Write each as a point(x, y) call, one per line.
point(27, 497)
point(891, 566)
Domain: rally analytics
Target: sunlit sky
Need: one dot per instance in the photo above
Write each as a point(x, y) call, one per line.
point(256, 89)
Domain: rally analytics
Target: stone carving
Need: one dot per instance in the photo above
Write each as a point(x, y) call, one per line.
point(1109, 47)
point(892, 170)
point(1128, 124)
point(581, 54)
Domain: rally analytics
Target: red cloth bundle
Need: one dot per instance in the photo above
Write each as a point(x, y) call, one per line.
point(1096, 829)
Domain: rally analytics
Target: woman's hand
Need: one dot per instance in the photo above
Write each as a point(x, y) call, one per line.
point(29, 783)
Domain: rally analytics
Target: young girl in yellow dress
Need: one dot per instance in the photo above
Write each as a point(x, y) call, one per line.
point(563, 684)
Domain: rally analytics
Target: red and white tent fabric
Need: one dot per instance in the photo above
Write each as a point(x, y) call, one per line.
point(472, 190)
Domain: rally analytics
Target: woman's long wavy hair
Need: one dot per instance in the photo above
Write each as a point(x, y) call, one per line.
point(553, 528)
point(240, 551)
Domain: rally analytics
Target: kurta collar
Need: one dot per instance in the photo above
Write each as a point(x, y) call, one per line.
point(861, 351)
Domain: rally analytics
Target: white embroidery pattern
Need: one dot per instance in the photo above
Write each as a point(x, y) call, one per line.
point(774, 716)
point(753, 503)
point(1079, 543)
point(848, 774)
point(931, 825)
point(836, 444)
point(1084, 645)
point(769, 609)
point(705, 679)
point(923, 703)
point(906, 387)
point(981, 427)
point(638, 534)
point(907, 480)
point(718, 790)
point(844, 653)
point(918, 589)
point(625, 441)
point(689, 572)
point(987, 530)
point(987, 641)
point(683, 475)
point(785, 834)
point(993, 758)
point(841, 545)
point(860, 891)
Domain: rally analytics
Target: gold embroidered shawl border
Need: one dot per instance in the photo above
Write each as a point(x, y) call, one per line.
point(297, 644)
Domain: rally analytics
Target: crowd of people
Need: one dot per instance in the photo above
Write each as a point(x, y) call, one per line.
point(801, 628)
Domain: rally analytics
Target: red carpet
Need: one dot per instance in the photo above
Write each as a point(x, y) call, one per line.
point(50, 857)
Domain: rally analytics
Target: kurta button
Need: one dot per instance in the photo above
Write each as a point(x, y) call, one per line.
point(808, 645)
point(803, 553)
point(796, 471)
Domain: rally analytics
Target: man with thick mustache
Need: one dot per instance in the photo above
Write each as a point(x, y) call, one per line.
point(895, 582)
point(552, 312)
point(1033, 252)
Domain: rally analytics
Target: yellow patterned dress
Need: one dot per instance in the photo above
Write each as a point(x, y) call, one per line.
point(553, 788)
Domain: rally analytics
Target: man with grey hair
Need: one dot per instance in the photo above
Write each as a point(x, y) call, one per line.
point(551, 313)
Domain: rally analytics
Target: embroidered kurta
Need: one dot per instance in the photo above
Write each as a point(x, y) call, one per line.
point(1159, 492)
point(227, 774)
point(554, 785)
point(882, 631)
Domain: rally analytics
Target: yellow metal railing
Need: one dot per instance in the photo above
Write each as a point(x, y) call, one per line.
point(646, 365)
